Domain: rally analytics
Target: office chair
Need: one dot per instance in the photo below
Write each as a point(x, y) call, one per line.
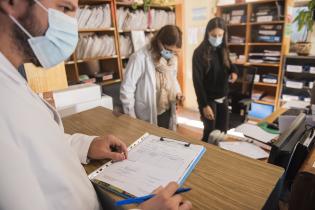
point(240, 96)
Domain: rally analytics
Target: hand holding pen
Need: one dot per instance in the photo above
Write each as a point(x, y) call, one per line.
point(167, 198)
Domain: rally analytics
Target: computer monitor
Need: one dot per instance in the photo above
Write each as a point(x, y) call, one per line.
point(282, 149)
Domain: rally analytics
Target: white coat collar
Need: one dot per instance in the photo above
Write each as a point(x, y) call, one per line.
point(7, 68)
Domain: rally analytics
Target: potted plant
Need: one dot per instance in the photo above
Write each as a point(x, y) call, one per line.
point(305, 18)
point(146, 4)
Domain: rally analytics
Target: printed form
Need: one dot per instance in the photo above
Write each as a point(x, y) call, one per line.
point(151, 163)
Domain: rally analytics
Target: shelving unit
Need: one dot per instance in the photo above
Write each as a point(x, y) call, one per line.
point(114, 63)
point(87, 65)
point(307, 75)
point(246, 29)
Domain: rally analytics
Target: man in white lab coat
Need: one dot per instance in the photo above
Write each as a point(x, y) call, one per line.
point(40, 164)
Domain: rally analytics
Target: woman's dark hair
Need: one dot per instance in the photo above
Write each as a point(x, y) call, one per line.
point(206, 47)
point(167, 35)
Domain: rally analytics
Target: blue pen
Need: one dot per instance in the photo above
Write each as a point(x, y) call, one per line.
point(139, 200)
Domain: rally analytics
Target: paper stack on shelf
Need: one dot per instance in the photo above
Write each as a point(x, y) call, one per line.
point(257, 78)
point(269, 78)
point(233, 56)
point(139, 20)
point(267, 56)
point(267, 13)
point(94, 16)
point(235, 16)
point(267, 33)
point(241, 59)
point(237, 40)
point(90, 46)
point(125, 45)
point(161, 18)
point(310, 85)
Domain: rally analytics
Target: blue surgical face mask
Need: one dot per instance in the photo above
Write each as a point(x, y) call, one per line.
point(167, 54)
point(59, 41)
point(215, 41)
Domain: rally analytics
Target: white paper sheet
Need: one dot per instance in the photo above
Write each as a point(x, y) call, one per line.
point(244, 148)
point(255, 132)
point(150, 164)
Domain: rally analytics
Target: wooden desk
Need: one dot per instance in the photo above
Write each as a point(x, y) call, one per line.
point(221, 180)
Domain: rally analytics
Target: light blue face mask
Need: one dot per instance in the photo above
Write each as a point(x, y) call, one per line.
point(215, 41)
point(59, 41)
point(167, 54)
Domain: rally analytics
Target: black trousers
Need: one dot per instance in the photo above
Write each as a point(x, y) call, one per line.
point(221, 118)
point(164, 119)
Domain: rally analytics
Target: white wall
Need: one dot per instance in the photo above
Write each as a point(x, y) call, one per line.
point(193, 8)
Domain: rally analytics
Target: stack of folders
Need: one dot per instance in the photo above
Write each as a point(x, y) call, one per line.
point(268, 56)
point(237, 58)
point(269, 78)
point(161, 18)
point(90, 46)
point(94, 16)
point(237, 39)
point(235, 16)
point(125, 45)
point(266, 14)
point(257, 78)
point(139, 20)
point(131, 19)
point(267, 33)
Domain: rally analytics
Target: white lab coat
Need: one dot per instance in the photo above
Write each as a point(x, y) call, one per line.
point(40, 165)
point(138, 89)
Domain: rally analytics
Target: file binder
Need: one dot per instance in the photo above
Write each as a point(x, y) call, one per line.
point(152, 162)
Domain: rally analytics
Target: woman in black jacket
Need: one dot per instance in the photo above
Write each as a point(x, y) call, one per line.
point(212, 71)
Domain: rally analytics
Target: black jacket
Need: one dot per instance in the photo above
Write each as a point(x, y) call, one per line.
point(210, 80)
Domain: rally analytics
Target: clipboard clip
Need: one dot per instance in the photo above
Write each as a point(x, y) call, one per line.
point(186, 144)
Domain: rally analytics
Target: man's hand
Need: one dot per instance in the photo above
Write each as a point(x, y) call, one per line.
point(208, 113)
point(166, 200)
point(107, 147)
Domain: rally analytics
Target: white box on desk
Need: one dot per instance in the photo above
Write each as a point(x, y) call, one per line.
point(76, 94)
point(105, 101)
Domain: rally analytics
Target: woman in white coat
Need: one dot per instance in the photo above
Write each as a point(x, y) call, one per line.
point(150, 88)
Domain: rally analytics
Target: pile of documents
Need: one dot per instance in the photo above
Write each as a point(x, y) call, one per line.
point(268, 56)
point(125, 45)
point(235, 16)
point(131, 19)
point(237, 40)
point(94, 16)
point(139, 20)
point(237, 58)
point(269, 78)
point(160, 18)
point(267, 33)
point(90, 46)
point(267, 13)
